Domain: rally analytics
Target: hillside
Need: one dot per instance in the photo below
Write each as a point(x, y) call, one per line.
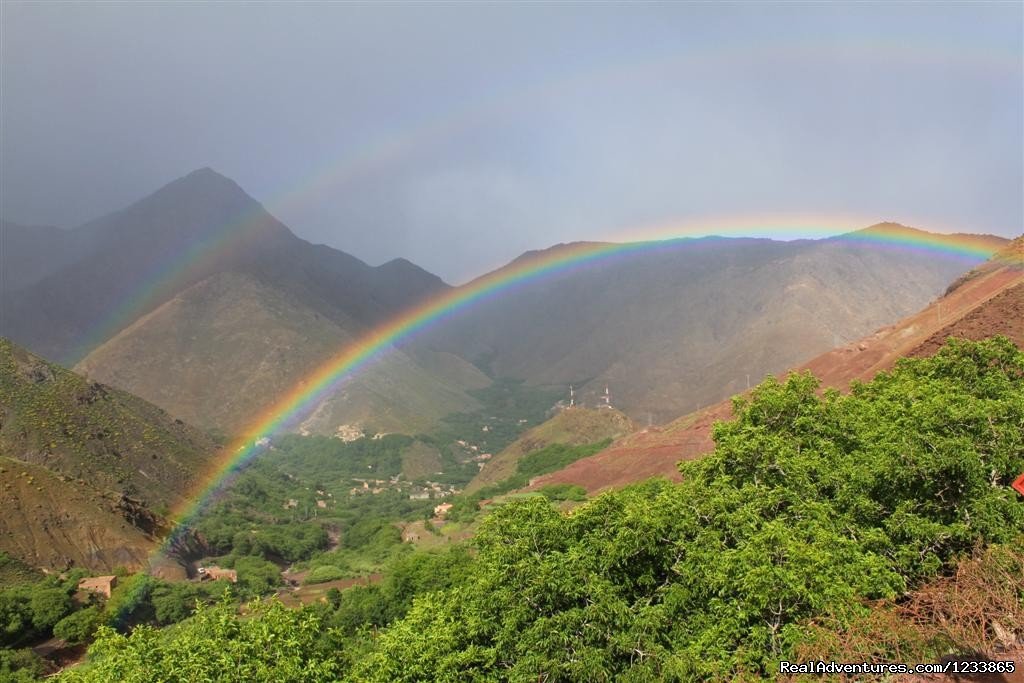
point(570, 427)
point(683, 324)
point(985, 301)
point(87, 470)
point(226, 347)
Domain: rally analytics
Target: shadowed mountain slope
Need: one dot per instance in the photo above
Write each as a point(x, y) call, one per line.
point(131, 261)
point(200, 301)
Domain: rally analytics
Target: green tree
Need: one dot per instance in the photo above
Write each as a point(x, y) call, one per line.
point(78, 626)
point(272, 644)
point(48, 606)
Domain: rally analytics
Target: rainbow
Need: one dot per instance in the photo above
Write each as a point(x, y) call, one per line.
point(302, 398)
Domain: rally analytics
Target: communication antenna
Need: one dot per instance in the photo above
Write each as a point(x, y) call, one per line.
point(607, 397)
point(572, 396)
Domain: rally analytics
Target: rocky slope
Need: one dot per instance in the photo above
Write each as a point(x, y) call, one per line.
point(87, 472)
point(682, 324)
point(222, 350)
point(130, 262)
point(985, 301)
point(197, 299)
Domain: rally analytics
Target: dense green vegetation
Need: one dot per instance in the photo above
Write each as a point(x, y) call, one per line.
point(510, 406)
point(36, 609)
point(810, 505)
point(323, 459)
point(271, 510)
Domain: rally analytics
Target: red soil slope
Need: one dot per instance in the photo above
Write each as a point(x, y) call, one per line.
point(989, 300)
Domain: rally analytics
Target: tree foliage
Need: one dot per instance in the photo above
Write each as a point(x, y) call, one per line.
point(272, 644)
point(808, 505)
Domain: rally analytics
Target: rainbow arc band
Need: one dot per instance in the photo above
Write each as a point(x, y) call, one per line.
point(288, 410)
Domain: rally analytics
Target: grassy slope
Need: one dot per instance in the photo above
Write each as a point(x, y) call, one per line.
point(571, 427)
point(85, 465)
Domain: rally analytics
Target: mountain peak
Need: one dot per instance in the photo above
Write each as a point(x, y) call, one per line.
point(205, 179)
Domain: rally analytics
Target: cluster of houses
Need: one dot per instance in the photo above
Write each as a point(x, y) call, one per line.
point(372, 486)
point(432, 489)
point(473, 453)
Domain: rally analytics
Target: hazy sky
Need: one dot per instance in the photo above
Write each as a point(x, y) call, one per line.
point(459, 135)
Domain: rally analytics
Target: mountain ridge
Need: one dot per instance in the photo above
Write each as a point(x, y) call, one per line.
point(682, 323)
point(988, 299)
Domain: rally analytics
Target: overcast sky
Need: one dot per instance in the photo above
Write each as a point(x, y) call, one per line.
point(459, 135)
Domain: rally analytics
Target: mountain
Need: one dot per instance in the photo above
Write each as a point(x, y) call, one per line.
point(569, 427)
point(199, 300)
point(677, 325)
point(133, 260)
point(87, 472)
point(30, 253)
point(229, 345)
point(986, 301)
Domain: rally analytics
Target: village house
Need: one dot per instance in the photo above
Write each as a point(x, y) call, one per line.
point(441, 511)
point(100, 585)
point(213, 573)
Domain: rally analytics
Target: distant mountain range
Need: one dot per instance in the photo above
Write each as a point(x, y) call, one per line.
point(198, 300)
point(686, 323)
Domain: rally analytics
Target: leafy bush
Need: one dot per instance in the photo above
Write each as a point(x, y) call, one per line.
point(78, 626)
point(273, 644)
point(571, 492)
point(20, 666)
point(810, 505)
point(323, 574)
point(256, 576)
